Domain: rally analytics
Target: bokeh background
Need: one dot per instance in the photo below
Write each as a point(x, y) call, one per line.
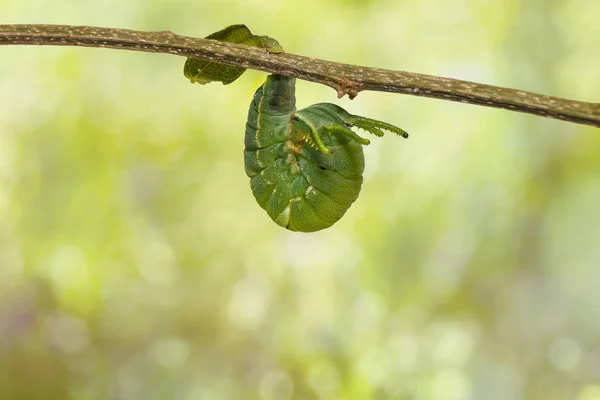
point(136, 264)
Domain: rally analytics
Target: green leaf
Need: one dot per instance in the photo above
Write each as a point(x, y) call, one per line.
point(203, 72)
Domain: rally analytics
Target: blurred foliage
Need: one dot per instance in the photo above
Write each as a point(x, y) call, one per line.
point(135, 263)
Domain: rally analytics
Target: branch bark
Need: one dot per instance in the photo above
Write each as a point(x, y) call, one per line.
point(344, 78)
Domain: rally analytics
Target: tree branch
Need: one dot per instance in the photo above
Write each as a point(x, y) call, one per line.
point(344, 78)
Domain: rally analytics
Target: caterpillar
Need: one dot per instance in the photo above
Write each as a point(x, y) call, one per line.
point(305, 166)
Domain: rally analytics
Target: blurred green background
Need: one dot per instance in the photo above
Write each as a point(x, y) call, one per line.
point(136, 264)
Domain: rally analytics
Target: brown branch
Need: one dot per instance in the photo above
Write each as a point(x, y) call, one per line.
point(345, 78)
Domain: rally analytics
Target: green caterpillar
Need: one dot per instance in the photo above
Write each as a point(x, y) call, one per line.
point(305, 166)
